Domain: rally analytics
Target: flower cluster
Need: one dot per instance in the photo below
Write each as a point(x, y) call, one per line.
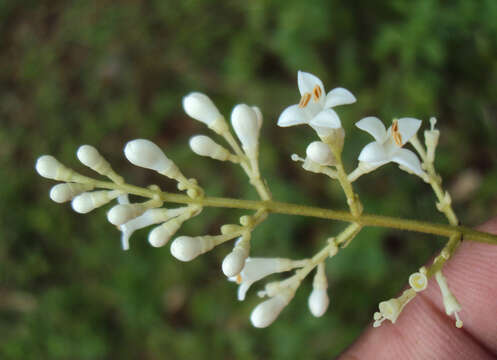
point(324, 156)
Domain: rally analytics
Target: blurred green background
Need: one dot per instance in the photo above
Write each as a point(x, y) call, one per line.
point(78, 72)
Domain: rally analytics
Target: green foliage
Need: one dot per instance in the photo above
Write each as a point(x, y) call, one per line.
point(102, 73)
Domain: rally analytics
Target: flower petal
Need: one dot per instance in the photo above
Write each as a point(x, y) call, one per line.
point(373, 153)
point(408, 159)
point(307, 82)
point(374, 127)
point(408, 127)
point(292, 115)
point(339, 96)
point(327, 118)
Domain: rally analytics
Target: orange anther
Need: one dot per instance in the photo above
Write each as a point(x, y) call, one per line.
point(317, 91)
point(304, 100)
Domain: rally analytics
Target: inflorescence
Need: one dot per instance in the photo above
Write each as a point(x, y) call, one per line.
point(324, 156)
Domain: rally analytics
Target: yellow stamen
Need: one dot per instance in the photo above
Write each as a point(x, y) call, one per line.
point(395, 133)
point(304, 100)
point(238, 279)
point(317, 92)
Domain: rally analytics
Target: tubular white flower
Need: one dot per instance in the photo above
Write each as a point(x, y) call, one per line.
point(204, 146)
point(146, 154)
point(234, 262)
point(268, 311)
point(449, 300)
point(187, 248)
point(418, 281)
point(50, 168)
point(258, 268)
point(431, 140)
point(90, 157)
point(320, 153)
point(61, 193)
point(89, 201)
point(314, 107)
point(387, 146)
point(200, 107)
point(318, 300)
point(246, 125)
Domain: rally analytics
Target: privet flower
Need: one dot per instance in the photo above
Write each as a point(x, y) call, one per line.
point(449, 300)
point(418, 281)
point(431, 140)
point(258, 268)
point(187, 248)
point(315, 107)
point(200, 107)
point(204, 146)
point(234, 262)
point(90, 157)
point(387, 146)
point(319, 300)
point(50, 168)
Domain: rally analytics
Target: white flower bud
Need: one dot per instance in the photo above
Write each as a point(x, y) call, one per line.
point(234, 262)
point(61, 193)
point(90, 157)
point(267, 312)
point(204, 146)
point(200, 107)
point(431, 140)
point(122, 213)
point(258, 113)
point(88, 201)
point(320, 153)
point(161, 235)
point(318, 300)
point(187, 248)
point(146, 154)
point(418, 281)
point(246, 126)
point(50, 168)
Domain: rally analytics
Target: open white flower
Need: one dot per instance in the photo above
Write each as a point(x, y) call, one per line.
point(387, 146)
point(258, 268)
point(315, 108)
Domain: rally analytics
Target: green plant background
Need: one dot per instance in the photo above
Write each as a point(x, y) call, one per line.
point(77, 72)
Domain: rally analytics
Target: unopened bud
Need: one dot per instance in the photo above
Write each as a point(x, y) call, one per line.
point(61, 193)
point(187, 248)
point(268, 311)
point(246, 126)
point(318, 300)
point(50, 168)
point(146, 154)
point(90, 157)
point(233, 262)
point(122, 213)
point(204, 146)
point(200, 107)
point(320, 153)
point(161, 235)
point(89, 201)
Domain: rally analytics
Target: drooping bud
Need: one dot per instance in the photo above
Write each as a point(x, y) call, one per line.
point(90, 157)
point(233, 262)
point(50, 168)
point(246, 126)
point(200, 107)
point(146, 154)
point(187, 248)
point(61, 193)
point(204, 146)
point(268, 311)
point(319, 300)
point(320, 153)
point(89, 201)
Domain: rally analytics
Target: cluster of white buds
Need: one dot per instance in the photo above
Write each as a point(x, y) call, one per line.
point(449, 300)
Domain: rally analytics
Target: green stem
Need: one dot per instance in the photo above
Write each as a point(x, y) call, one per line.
point(302, 210)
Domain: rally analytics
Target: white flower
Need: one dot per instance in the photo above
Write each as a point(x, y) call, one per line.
point(449, 300)
point(315, 108)
point(258, 268)
point(387, 146)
